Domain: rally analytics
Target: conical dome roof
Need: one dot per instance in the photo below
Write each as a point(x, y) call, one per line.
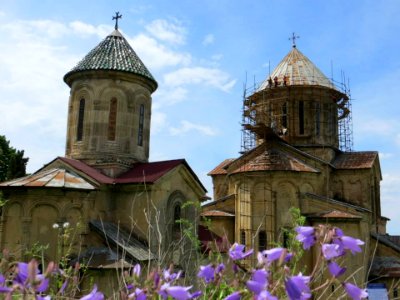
point(299, 70)
point(113, 54)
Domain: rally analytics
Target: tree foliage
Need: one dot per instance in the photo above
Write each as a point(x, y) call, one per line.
point(12, 161)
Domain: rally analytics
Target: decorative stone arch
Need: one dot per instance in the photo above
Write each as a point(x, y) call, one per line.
point(286, 197)
point(6, 208)
point(42, 203)
point(174, 203)
point(107, 93)
point(43, 216)
point(263, 214)
point(12, 230)
point(338, 189)
point(306, 188)
point(86, 92)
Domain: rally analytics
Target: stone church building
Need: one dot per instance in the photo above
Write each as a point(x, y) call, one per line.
point(296, 143)
point(104, 200)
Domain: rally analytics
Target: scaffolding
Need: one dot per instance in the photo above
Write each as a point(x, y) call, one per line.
point(273, 110)
point(309, 114)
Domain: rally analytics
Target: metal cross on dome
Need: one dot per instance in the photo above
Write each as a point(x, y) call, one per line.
point(117, 16)
point(293, 39)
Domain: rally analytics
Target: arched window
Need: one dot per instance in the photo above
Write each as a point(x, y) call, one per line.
point(81, 115)
point(301, 117)
point(177, 217)
point(243, 237)
point(284, 115)
point(285, 239)
point(112, 119)
point(317, 118)
point(262, 240)
point(141, 121)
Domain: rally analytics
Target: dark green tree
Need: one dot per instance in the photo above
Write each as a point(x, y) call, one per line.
point(12, 161)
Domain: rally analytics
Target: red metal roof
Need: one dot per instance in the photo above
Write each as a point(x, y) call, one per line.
point(355, 160)
point(210, 240)
point(148, 172)
point(88, 170)
point(138, 173)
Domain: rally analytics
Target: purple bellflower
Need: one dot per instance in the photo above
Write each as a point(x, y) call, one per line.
point(265, 295)
point(136, 270)
point(355, 292)
point(138, 294)
point(236, 252)
point(3, 288)
point(335, 269)
point(171, 277)
point(93, 295)
point(297, 287)
point(207, 273)
point(349, 243)
point(305, 235)
point(233, 296)
point(22, 273)
point(177, 292)
point(331, 251)
point(258, 281)
point(220, 268)
point(269, 256)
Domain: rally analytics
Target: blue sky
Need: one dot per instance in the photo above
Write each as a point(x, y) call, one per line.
point(202, 53)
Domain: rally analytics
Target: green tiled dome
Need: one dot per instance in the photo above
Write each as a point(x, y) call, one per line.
point(114, 54)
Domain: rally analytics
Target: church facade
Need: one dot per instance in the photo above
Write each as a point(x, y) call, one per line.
point(297, 153)
point(104, 200)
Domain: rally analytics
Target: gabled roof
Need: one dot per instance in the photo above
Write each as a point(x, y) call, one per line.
point(383, 238)
point(385, 266)
point(220, 169)
point(338, 202)
point(333, 214)
point(53, 178)
point(355, 160)
point(113, 54)
point(299, 70)
point(124, 240)
point(86, 169)
point(138, 173)
point(216, 213)
point(149, 172)
point(102, 258)
point(274, 159)
point(272, 155)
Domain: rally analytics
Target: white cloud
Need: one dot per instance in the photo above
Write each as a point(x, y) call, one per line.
point(169, 97)
point(170, 32)
point(208, 39)
point(156, 55)
point(40, 29)
point(2, 13)
point(187, 126)
point(84, 29)
point(200, 75)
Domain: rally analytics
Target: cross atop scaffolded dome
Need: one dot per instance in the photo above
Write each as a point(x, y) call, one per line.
point(296, 69)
